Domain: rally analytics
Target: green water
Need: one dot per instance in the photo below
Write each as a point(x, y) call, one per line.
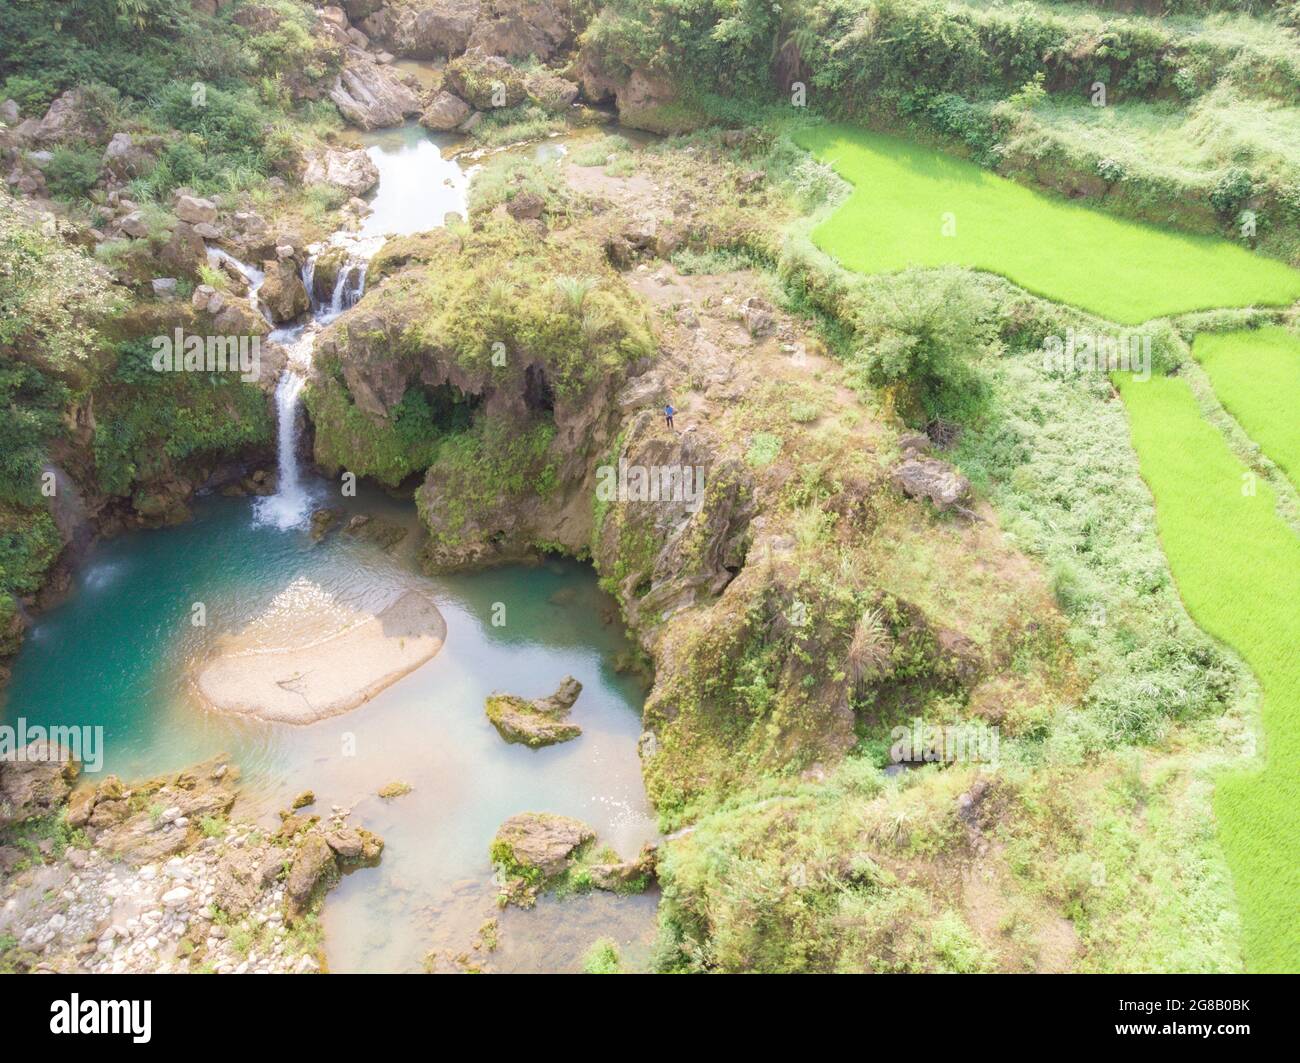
point(119, 652)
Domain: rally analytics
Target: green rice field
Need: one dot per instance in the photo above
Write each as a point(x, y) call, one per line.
point(1237, 566)
point(915, 206)
point(1256, 376)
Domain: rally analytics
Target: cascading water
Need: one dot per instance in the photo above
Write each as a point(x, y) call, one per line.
point(291, 503)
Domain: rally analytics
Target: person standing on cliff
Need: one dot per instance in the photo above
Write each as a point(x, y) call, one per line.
point(668, 415)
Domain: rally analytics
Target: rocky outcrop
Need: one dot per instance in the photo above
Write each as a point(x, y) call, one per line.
point(440, 29)
point(537, 722)
point(371, 95)
point(533, 849)
point(353, 171)
point(34, 781)
point(435, 30)
point(677, 519)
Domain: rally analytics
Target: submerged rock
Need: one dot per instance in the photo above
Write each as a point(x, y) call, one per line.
point(537, 722)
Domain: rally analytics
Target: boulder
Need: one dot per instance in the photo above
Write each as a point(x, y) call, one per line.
point(538, 722)
point(539, 843)
point(35, 782)
point(486, 81)
point(353, 171)
point(524, 28)
point(372, 96)
point(283, 293)
point(757, 316)
point(439, 29)
point(194, 210)
point(184, 251)
point(921, 477)
point(125, 157)
point(65, 120)
point(445, 113)
point(313, 862)
point(525, 205)
point(550, 91)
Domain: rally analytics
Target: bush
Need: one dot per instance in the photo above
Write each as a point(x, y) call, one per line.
point(72, 171)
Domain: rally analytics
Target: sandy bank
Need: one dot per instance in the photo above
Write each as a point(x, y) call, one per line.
point(329, 675)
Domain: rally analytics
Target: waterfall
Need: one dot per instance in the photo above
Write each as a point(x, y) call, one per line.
point(288, 507)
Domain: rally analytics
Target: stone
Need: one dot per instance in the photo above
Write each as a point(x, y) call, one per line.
point(133, 225)
point(539, 722)
point(313, 862)
point(757, 316)
point(930, 478)
point(445, 112)
point(539, 841)
point(175, 898)
point(525, 204)
point(164, 287)
point(36, 782)
point(486, 81)
point(353, 171)
point(372, 96)
point(283, 293)
point(194, 210)
point(346, 842)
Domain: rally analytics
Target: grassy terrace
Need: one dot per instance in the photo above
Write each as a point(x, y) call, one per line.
point(954, 212)
point(1256, 376)
point(1238, 569)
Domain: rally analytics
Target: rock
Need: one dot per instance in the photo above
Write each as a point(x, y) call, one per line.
point(65, 120)
point(372, 96)
point(539, 842)
point(194, 210)
point(437, 29)
point(9, 113)
point(125, 157)
point(914, 444)
point(930, 478)
point(184, 252)
point(385, 533)
point(346, 842)
point(486, 81)
point(164, 287)
point(525, 204)
point(133, 225)
point(177, 897)
point(336, 15)
point(353, 171)
point(523, 28)
point(550, 91)
point(283, 293)
point(80, 804)
point(757, 316)
point(538, 722)
point(307, 797)
point(313, 862)
point(35, 782)
point(445, 113)
point(322, 520)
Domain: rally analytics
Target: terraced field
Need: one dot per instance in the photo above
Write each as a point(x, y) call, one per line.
point(1257, 378)
point(1237, 566)
point(914, 206)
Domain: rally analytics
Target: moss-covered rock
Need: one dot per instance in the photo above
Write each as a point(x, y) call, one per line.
point(536, 722)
